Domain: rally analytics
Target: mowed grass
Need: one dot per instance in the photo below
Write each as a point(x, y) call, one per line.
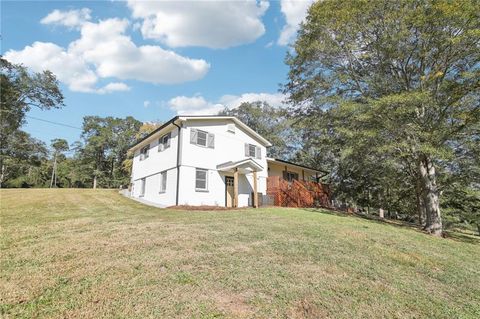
point(94, 254)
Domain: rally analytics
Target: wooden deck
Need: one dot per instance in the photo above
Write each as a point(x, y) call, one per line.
point(298, 193)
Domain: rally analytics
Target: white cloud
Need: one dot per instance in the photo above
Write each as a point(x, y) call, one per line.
point(233, 101)
point(105, 51)
point(69, 68)
point(72, 18)
point(212, 24)
point(146, 103)
point(295, 12)
point(114, 87)
point(197, 105)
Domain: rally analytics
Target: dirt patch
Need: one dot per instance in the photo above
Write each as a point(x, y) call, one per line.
point(234, 304)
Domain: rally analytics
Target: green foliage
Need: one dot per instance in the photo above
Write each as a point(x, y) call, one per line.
point(20, 90)
point(104, 150)
point(384, 87)
point(270, 122)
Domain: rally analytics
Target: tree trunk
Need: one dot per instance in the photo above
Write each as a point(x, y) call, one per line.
point(420, 204)
point(430, 196)
point(381, 213)
point(95, 182)
point(3, 175)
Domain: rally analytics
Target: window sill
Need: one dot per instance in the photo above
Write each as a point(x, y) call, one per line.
point(204, 146)
point(201, 190)
point(162, 192)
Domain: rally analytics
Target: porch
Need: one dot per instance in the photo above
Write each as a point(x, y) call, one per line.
point(297, 193)
point(232, 171)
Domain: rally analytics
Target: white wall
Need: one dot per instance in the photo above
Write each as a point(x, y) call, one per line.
point(228, 147)
point(151, 168)
point(152, 189)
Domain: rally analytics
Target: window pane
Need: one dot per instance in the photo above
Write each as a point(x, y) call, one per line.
point(201, 184)
point(200, 179)
point(201, 174)
point(202, 138)
point(163, 181)
point(251, 150)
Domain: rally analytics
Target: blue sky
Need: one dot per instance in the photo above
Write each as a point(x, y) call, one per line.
point(151, 60)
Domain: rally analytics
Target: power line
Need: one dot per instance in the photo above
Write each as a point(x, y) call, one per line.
point(47, 121)
point(52, 122)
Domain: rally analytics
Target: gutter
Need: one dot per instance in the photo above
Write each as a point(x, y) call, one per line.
point(179, 154)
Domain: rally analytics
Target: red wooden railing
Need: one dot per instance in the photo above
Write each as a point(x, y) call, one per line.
point(297, 193)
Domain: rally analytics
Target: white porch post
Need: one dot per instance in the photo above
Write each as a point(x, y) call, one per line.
point(255, 192)
point(235, 188)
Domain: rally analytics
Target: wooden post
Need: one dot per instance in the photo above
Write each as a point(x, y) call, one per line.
point(235, 188)
point(255, 192)
point(303, 175)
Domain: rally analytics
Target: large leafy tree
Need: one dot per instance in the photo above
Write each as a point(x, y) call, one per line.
point(104, 149)
point(20, 91)
point(399, 78)
point(270, 122)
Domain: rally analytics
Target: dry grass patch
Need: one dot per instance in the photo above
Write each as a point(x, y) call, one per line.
point(95, 254)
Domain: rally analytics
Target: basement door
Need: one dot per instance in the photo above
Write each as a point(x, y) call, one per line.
point(229, 191)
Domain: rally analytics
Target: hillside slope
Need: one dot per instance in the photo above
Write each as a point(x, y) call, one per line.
point(91, 254)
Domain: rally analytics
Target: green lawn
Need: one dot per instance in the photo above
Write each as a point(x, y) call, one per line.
point(93, 254)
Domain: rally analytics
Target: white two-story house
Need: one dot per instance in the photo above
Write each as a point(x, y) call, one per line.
point(206, 160)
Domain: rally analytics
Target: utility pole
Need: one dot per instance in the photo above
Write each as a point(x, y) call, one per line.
point(54, 171)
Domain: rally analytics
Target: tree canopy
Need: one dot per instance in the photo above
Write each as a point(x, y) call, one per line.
point(398, 82)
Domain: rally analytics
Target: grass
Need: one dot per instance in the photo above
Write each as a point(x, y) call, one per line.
point(94, 254)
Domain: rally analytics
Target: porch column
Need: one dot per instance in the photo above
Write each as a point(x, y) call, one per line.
point(255, 192)
point(303, 175)
point(235, 188)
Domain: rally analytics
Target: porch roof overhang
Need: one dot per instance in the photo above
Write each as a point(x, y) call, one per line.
point(244, 166)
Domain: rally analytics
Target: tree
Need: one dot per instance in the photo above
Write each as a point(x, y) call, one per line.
point(20, 159)
point(270, 122)
point(104, 149)
point(20, 90)
point(59, 146)
point(400, 77)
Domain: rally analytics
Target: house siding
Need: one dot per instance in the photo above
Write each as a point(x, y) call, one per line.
point(227, 147)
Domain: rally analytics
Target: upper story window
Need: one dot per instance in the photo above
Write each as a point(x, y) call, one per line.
point(253, 151)
point(144, 152)
point(202, 138)
point(164, 142)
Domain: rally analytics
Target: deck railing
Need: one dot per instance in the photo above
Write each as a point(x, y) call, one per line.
point(297, 193)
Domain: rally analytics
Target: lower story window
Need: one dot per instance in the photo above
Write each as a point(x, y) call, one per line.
point(163, 182)
point(142, 187)
point(201, 179)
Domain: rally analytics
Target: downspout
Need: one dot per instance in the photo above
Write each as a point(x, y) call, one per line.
point(179, 154)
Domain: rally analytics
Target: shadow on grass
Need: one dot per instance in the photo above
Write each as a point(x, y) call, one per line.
point(453, 235)
point(461, 237)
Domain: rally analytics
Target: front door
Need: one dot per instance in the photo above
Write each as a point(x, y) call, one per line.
point(229, 191)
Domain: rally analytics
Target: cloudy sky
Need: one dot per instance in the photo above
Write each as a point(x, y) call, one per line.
point(151, 59)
